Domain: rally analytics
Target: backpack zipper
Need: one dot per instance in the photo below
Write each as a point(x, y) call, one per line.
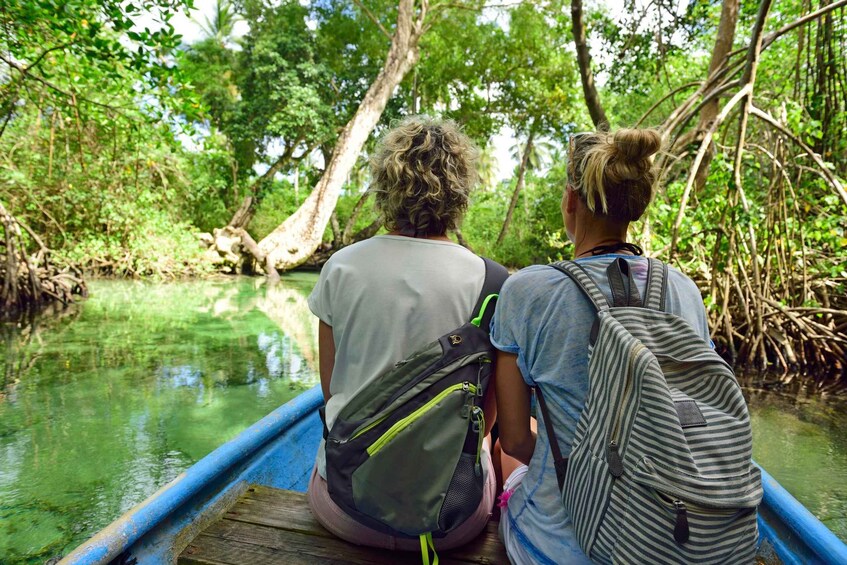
point(456, 364)
point(674, 502)
point(479, 429)
point(681, 529)
point(613, 455)
point(469, 404)
point(370, 426)
point(477, 390)
point(403, 423)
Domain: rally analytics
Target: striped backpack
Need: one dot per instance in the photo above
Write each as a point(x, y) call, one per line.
point(403, 455)
point(660, 469)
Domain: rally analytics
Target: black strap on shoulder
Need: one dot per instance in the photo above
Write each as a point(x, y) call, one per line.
point(657, 285)
point(495, 275)
point(322, 414)
point(584, 281)
point(559, 462)
point(624, 291)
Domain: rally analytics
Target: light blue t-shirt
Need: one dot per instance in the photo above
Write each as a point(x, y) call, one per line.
point(545, 319)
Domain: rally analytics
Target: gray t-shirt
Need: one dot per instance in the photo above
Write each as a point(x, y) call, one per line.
point(385, 298)
point(545, 319)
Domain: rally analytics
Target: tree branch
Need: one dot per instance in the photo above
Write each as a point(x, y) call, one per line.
point(662, 99)
point(766, 117)
point(704, 145)
point(372, 17)
point(771, 37)
point(25, 73)
point(583, 56)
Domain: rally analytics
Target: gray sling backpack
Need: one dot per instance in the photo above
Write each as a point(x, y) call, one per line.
point(660, 469)
point(403, 455)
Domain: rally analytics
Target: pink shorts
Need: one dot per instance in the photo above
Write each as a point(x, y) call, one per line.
point(343, 526)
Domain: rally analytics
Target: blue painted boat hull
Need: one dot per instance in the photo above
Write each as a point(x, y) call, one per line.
point(279, 451)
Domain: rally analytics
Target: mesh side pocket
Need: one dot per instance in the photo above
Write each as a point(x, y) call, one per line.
point(463, 495)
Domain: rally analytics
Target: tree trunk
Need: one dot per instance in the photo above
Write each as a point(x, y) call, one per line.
point(244, 213)
point(723, 45)
point(336, 229)
point(324, 252)
point(518, 187)
point(583, 57)
point(347, 234)
point(291, 243)
point(247, 209)
point(462, 241)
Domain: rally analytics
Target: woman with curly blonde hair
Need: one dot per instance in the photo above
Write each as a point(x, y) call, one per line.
point(384, 298)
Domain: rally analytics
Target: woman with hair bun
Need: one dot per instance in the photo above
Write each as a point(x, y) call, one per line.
point(382, 299)
point(542, 326)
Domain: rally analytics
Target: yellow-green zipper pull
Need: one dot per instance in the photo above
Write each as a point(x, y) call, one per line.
point(479, 429)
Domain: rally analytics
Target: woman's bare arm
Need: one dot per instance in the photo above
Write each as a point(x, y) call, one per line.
point(489, 404)
point(513, 409)
point(326, 356)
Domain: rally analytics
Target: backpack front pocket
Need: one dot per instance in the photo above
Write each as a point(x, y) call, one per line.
point(706, 524)
point(421, 412)
point(376, 489)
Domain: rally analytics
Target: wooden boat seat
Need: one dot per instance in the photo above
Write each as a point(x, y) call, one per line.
point(272, 526)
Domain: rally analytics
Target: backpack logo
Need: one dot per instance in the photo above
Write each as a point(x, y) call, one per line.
point(455, 339)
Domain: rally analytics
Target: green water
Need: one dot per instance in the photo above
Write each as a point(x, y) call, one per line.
point(800, 441)
point(105, 404)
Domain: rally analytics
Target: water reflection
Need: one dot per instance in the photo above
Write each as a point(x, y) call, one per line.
point(288, 307)
point(799, 439)
point(100, 408)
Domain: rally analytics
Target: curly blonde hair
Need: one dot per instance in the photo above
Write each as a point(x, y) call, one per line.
point(422, 174)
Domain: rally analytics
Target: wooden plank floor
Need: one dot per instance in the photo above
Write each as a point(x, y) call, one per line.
point(271, 526)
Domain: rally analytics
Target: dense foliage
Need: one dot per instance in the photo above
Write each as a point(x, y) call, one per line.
point(120, 143)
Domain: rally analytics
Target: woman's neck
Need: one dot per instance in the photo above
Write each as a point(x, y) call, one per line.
point(593, 232)
point(597, 247)
point(618, 247)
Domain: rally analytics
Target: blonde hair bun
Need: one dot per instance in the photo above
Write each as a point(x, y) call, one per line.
point(637, 145)
point(614, 173)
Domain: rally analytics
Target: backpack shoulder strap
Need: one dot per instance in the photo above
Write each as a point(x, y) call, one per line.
point(622, 283)
point(495, 275)
point(559, 462)
point(657, 285)
point(584, 281)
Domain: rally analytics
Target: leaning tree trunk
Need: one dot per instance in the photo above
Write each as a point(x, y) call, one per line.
point(300, 234)
point(518, 187)
point(583, 57)
point(709, 112)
